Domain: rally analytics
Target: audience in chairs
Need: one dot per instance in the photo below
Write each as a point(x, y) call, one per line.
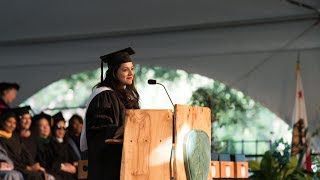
point(16, 150)
point(36, 147)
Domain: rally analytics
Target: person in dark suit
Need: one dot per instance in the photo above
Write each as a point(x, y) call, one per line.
point(73, 134)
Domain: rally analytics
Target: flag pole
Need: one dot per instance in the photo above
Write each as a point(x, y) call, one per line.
point(300, 142)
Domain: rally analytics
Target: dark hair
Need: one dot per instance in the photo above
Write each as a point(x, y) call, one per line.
point(129, 96)
point(5, 116)
point(19, 118)
point(72, 120)
point(35, 129)
point(6, 85)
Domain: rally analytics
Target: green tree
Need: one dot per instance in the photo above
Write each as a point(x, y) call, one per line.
point(232, 115)
point(156, 72)
point(227, 105)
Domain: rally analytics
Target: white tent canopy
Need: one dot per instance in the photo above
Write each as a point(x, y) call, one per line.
point(251, 45)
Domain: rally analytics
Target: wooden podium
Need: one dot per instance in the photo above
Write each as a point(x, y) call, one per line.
point(148, 141)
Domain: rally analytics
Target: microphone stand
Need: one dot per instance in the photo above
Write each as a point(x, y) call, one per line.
point(172, 150)
point(173, 137)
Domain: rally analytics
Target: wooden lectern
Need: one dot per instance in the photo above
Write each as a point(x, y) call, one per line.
point(148, 141)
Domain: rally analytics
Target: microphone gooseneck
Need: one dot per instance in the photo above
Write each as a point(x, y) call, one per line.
point(167, 93)
point(152, 82)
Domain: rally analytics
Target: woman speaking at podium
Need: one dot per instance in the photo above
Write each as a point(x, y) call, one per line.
point(105, 115)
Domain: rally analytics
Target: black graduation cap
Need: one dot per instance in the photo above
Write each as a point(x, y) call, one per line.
point(7, 113)
point(41, 116)
point(22, 110)
point(7, 85)
point(115, 58)
point(56, 118)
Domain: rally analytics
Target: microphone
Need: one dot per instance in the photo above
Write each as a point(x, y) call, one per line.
point(153, 82)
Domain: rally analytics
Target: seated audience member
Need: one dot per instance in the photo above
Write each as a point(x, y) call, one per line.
point(16, 151)
point(24, 121)
point(8, 93)
point(48, 154)
point(7, 171)
point(63, 150)
point(73, 134)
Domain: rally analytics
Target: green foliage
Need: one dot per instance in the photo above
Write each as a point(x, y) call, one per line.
point(227, 105)
point(69, 92)
point(82, 78)
point(157, 73)
point(281, 151)
point(223, 146)
point(316, 163)
point(270, 169)
point(236, 117)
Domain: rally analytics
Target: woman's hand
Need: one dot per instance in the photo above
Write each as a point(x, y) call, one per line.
point(6, 166)
point(76, 163)
point(36, 167)
point(67, 167)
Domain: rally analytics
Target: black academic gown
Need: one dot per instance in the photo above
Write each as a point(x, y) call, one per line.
point(44, 153)
point(20, 156)
point(63, 153)
point(3, 106)
point(74, 144)
point(46, 156)
point(31, 144)
point(50, 156)
point(104, 120)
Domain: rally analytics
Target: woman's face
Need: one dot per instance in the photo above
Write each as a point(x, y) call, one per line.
point(10, 125)
point(44, 128)
point(77, 127)
point(25, 121)
point(60, 130)
point(9, 95)
point(125, 74)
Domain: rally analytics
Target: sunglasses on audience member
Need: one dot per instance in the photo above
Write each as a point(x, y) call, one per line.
point(61, 127)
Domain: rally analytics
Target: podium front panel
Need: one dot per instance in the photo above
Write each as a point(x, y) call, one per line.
point(147, 145)
point(188, 118)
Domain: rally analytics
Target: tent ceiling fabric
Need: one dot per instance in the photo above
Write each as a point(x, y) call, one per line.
point(43, 19)
point(41, 42)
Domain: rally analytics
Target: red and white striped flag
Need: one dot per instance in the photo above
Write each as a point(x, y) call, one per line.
point(300, 143)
